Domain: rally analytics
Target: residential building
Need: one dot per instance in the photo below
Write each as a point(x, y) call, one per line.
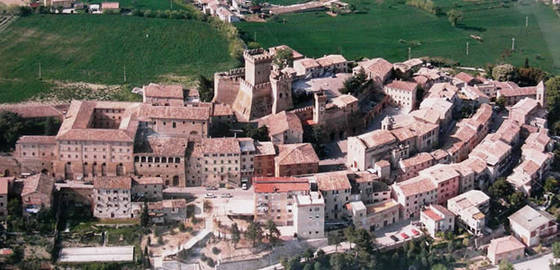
point(275, 198)
point(166, 211)
point(378, 70)
point(112, 197)
point(163, 95)
point(471, 208)
point(413, 194)
point(333, 63)
point(264, 159)
point(436, 218)
point(178, 121)
point(309, 215)
point(37, 193)
point(296, 159)
point(411, 166)
point(283, 128)
point(402, 94)
point(217, 162)
point(147, 188)
point(375, 216)
point(162, 157)
point(532, 226)
point(506, 248)
point(528, 111)
point(308, 68)
point(366, 149)
point(496, 154)
point(446, 179)
point(336, 190)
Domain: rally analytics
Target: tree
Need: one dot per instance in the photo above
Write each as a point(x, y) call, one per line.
point(552, 86)
point(235, 234)
point(257, 133)
point(355, 84)
point(363, 240)
point(516, 198)
point(273, 233)
point(505, 72)
point(254, 232)
point(439, 266)
point(528, 76)
point(336, 241)
point(284, 57)
point(11, 127)
point(350, 235)
point(505, 265)
point(501, 102)
point(308, 254)
point(556, 249)
point(501, 189)
point(550, 184)
point(205, 88)
point(454, 16)
point(145, 218)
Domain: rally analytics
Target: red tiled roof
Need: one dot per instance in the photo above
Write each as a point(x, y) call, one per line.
point(112, 182)
point(175, 112)
point(281, 122)
point(300, 153)
point(464, 77)
point(402, 85)
point(37, 183)
point(165, 91)
point(37, 139)
point(332, 181)
point(279, 184)
point(432, 215)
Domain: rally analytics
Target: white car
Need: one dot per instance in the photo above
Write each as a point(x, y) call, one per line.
point(244, 186)
point(210, 196)
point(226, 195)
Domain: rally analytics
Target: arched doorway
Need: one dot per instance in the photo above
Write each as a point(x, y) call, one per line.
point(175, 180)
point(6, 172)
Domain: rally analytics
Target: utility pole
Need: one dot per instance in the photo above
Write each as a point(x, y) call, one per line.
point(40, 77)
point(526, 21)
point(467, 48)
point(513, 44)
point(408, 53)
point(255, 37)
point(124, 73)
point(171, 2)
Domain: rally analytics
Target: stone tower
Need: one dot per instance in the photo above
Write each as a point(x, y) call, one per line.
point(320, 107)
point(258, 63)
point(541, 95)
point(254, 99)
point(281, 84)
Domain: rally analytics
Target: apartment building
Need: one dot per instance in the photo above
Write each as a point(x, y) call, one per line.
point(296, 159)
point(147, 188)
point(275, 198)
point(533, 226)
point(436, 218)
point(112, 197)
point(309, 215)
point(162, 156)
point(471, 208)
point(413, 194)
point(374, 216)
point(336, 190)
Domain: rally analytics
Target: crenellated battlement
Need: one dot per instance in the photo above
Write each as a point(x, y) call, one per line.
point(257, 56)
point(236, 72)
point(281, 76)
point(247, 85)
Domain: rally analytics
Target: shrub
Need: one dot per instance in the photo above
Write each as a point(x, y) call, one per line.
point(216, 250)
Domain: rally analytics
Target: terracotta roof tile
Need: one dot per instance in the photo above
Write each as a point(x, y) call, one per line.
point(402, 85)
point(164, 91)
point(300, 153)
point(112, 182)
point(280, 184)
point(281, 122)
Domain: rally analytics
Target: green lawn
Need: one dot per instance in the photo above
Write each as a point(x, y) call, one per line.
point(145, 4)
point(386, 28)
point(96, 49)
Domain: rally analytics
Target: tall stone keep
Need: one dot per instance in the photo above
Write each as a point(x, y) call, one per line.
point(281, 91)
point(258, 63)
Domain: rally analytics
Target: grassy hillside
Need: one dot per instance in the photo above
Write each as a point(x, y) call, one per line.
point(387, 28)
point(96, 49)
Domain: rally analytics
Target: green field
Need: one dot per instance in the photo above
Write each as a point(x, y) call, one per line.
point(387, 28)
point(146, 4)
point(97, 49)
point(286, 2)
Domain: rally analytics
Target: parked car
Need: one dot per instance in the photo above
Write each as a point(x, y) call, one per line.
point(210, 196)
point(396, 239)
point(226, 195)
point(415, 232)
point(404, 236)
point(211, 188)
point(244, 186)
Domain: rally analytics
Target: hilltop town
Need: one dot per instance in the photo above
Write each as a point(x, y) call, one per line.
point(290, 153)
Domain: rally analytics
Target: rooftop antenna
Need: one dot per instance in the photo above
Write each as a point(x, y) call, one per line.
point(408, 53)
